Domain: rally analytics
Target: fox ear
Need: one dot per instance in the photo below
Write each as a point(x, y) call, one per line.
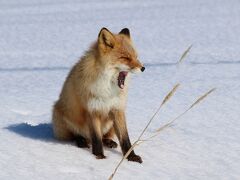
point(125, 31)
point(106, 38)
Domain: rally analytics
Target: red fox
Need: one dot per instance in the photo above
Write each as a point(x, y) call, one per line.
point(91, 106)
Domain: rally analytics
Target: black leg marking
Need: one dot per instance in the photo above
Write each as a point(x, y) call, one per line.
point(126, 145)
point(109, 143)
point(134, 158)
point(120, 128)
point(81, 142)
point(97, 147)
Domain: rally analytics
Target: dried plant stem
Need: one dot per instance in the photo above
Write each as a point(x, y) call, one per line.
point(184, 54)
point(124, 157)
point(173, 120)
point(194, 104)
point(138, 141)
point(169, 95)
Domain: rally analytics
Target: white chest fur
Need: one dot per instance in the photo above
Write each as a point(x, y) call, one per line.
point(107, 93)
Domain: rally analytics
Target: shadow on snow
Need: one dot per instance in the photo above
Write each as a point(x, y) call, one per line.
point(42, 132)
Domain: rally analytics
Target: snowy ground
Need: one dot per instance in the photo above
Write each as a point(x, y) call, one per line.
point(39, 42)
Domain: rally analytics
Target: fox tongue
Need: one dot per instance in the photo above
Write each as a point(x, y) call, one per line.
point(121, 78)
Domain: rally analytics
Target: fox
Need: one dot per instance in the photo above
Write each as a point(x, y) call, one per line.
point(91, 107)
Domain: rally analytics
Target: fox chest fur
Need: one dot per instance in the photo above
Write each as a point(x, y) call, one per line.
point(106, 94)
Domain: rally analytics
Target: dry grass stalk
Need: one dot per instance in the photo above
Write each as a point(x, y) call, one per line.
point(136, 143)
point(167, 97)
point(172, 121)
point(124, 157)
point(139, 141)
point(184, 54)
point(170, 94)
point(202, 97)
point(195, 103)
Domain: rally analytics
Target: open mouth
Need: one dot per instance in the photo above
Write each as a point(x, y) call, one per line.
point(121, 78)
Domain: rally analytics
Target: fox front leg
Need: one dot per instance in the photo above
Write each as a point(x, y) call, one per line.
point(120, 127)
point(96, 137)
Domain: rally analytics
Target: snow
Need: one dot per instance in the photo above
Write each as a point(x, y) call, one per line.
point(41, 40)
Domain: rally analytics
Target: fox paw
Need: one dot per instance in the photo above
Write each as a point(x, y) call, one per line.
point(81, 142)
point(100, 156)
point(110, 143)
point(135, 158)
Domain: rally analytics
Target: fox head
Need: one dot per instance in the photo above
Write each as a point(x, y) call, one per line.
point(118, 52)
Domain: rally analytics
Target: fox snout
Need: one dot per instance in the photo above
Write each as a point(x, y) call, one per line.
point(138, 69)
point(142, 68)
point(137, 66)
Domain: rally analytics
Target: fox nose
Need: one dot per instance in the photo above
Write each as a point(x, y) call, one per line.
point(142, 69)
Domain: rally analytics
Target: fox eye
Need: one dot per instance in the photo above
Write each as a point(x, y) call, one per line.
point(127, 58)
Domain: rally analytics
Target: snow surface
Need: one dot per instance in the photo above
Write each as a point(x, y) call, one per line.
point(40, 40)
